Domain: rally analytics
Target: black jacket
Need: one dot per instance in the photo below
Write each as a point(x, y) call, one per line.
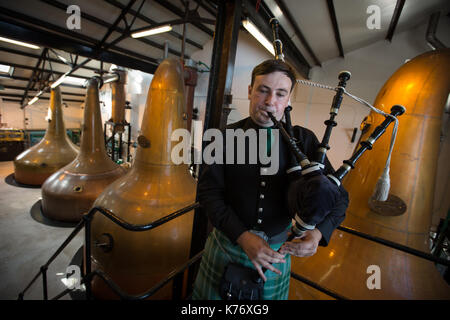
point(237, 197)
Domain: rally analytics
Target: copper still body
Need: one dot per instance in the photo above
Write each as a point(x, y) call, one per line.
point(153, 188)
point(70, 192)
point(55, 150)
point(346, 265)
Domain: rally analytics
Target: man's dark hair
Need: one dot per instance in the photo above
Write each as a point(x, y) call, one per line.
point(272, 65)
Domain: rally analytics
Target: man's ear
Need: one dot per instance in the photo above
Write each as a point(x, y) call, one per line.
point(249, 90)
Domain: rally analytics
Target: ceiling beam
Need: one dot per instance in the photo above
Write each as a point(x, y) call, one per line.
point(35, 90)
point(334, 21)
point(51, 40)
point(175, 10)
point(150, 21)
point(45, 98)
point(394, 21)
point(112, 27)
point(34, 75)
point(26, 67)
point(14, 24)
point(36, 56)
point(207, 7)
point(286, 12)
point(27, 78)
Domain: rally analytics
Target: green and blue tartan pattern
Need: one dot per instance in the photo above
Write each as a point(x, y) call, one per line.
point(214, 261)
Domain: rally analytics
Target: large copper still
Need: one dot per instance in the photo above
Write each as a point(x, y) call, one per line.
point(153, 188)
point(70, 192)
point(55, 150)
point(421, 85)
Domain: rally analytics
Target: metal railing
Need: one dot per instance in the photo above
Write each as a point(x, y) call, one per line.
point(86, 223)
point(89, 274)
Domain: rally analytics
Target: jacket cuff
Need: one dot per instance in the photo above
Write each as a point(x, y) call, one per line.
point(233, 232)
point(326, 228)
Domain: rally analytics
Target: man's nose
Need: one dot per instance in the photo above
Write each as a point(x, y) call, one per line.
point(270, 99)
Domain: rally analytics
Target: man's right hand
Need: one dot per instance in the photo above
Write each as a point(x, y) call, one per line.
point(260, 253)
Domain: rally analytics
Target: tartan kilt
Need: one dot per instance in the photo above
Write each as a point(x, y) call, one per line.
point(214, 261)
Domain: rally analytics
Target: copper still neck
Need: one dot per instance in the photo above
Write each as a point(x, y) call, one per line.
point(92, 137)
point(56, 125)
point(167, 88)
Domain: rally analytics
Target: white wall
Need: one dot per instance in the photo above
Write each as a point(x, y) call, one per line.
point(13, 116)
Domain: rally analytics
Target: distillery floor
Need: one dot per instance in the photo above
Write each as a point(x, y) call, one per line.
point(26, 244)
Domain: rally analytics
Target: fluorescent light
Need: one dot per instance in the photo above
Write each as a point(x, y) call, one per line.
point(74, 80)
point(62, 59)
point(4, 68)
point(58, 82)
point(110, 78)
point(68, 79)
point(258, 35)
point(152, 31)
point(33, 100)
point(20, 43)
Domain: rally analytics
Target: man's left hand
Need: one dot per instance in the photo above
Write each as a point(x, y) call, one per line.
point(304, 246)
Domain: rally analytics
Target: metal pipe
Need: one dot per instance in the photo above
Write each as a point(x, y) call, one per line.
point(87, 249)
point(44, 281)
point(151, 291)
point(143, 227)
point(316, 286)
point(431, 32)
point(397, 246)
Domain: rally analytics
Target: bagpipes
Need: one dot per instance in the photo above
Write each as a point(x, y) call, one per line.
point(312, 194)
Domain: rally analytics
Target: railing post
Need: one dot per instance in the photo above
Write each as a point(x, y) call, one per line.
point(44, 281)
point(87, 249)
point(177, 288)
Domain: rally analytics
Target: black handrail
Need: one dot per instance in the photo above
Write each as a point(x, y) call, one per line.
point(395, 245)
point(318, 287)
point(125, 296)
point(77, 229)
point(86, 222)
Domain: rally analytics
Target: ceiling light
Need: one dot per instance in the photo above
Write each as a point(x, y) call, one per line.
point(67, 79)
point(152, 31)
point(4, 68)
point(258, 35)
point(74, 80)
point(59, 81)
point(33, 100)
point(63, 59)
point(20, 43)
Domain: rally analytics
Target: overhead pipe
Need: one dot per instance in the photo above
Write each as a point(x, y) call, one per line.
point(431, 32)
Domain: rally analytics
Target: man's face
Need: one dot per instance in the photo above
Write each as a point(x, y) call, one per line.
point(269, 93)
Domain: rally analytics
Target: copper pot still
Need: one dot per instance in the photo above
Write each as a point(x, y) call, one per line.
point(55, 150)
point(70, 192)
point(360, 269)
point(153, 188)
